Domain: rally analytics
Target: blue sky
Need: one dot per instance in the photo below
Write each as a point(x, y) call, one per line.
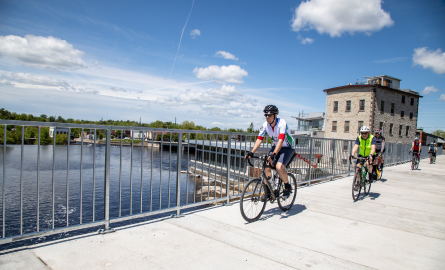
point(218, 63)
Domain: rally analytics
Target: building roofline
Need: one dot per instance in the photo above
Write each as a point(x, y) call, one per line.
point(375, 85)
point(371, 77)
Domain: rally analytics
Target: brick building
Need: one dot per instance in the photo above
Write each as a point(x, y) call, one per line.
point(378, 103)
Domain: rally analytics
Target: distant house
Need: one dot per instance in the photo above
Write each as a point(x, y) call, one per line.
point(310, 124)
point(378, 102)
point(54, 130)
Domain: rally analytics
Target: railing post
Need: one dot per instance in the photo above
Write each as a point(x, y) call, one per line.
point(311, 142)
point(107, 183)
point(349, 163)
point(229, 153)
point(178, 176)
point(333, 160)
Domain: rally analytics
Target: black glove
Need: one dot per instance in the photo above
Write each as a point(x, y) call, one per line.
point(370, 157)
point(249, 154)
point(274, 158)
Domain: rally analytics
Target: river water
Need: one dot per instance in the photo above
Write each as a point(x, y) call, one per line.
point(149, 181)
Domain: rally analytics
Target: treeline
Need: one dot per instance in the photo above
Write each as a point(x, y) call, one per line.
point(14, 136)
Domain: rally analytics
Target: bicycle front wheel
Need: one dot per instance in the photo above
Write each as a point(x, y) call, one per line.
point(285, 203)
point(253, 200)
point(356, 186)
point(416, 164)
point(367, 185)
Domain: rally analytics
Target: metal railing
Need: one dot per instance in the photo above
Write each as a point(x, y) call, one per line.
point(53, 186)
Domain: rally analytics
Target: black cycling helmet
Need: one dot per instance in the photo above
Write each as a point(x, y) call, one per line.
point(271, 109)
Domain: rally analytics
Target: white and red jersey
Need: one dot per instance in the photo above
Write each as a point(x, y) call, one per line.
point(417, 146)
point(280, 131)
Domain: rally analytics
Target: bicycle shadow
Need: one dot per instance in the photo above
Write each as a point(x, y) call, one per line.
point(295, 210)
point(373, 195)
point(382, 180)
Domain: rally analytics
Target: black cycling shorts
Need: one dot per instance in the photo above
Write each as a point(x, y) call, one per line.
point(284, 155)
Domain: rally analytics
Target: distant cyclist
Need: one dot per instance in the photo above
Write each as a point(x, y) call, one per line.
point(283, 147)
point(366, 143)
point(379, 145)
point(432, 150)
point(416, 148)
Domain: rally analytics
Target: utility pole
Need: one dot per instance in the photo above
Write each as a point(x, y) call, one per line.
point(175, 122)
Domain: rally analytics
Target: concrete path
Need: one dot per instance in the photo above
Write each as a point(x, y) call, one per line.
point(400, 225)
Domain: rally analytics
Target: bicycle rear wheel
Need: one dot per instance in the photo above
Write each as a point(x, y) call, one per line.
point(285, 203)
point(253, 200)
point(412, 164)
point(416, 164)
point(356, 186)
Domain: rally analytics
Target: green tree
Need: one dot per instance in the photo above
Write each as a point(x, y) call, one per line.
point(23, 117)
point(43, 116)
point(101, 136)
point(250, 128)
point(440, 133)
point(30, 117)
point(61, 139)
point(51, 119)
point(60, 119)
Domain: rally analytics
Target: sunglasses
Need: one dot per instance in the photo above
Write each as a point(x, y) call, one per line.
point(268, 115)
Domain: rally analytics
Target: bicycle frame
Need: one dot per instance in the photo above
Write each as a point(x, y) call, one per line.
point(263, 174)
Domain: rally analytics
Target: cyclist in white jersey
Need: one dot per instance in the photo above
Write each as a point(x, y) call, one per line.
point(283, 148)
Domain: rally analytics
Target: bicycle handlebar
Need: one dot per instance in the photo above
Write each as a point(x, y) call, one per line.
point(264, 157)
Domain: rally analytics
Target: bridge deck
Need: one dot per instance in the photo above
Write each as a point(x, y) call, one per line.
point(400, 225)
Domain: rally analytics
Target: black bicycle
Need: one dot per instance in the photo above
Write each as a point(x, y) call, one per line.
point(360, 178)
point(256, 192)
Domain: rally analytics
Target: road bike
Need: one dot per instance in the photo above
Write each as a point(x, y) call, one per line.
point(415, 161)
point(360, 178)
point(432, 158)
point(256, 192)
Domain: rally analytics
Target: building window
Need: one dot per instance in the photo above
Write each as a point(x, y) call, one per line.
point(362, 105)
point(407, 131)
point(392, 108)
point(334, 126)
point(400, 130)
point(348, 105)
point(381, 126)
point(346, 126)
point(411, 115)
point(403, 99)
point(412, 101)
point(391, 128)
point(335, 106)
point(382, 106)
point(360, 125)
point(402, 114)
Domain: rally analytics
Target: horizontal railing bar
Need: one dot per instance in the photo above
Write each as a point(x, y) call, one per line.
point(26, 236)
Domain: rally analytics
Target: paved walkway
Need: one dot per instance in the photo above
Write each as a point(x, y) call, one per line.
point(400, 225)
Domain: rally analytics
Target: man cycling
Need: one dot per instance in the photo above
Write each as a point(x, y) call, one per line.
point(379, 146)
point(366, 143)
point(283, 148)
point(432, 149)
point(416, 148)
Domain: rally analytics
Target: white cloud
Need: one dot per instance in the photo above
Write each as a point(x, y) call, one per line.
point(305, 40)
point(194, 33)
point(226, 55)
point(41, 52)
point(223, 95)
point(442, 97)
point(434, 60)
point(223, 102)
point(340, 16)
point(223, 74)
point(429, 89)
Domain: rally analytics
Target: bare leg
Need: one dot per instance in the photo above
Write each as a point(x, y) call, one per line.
point(282, 172)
